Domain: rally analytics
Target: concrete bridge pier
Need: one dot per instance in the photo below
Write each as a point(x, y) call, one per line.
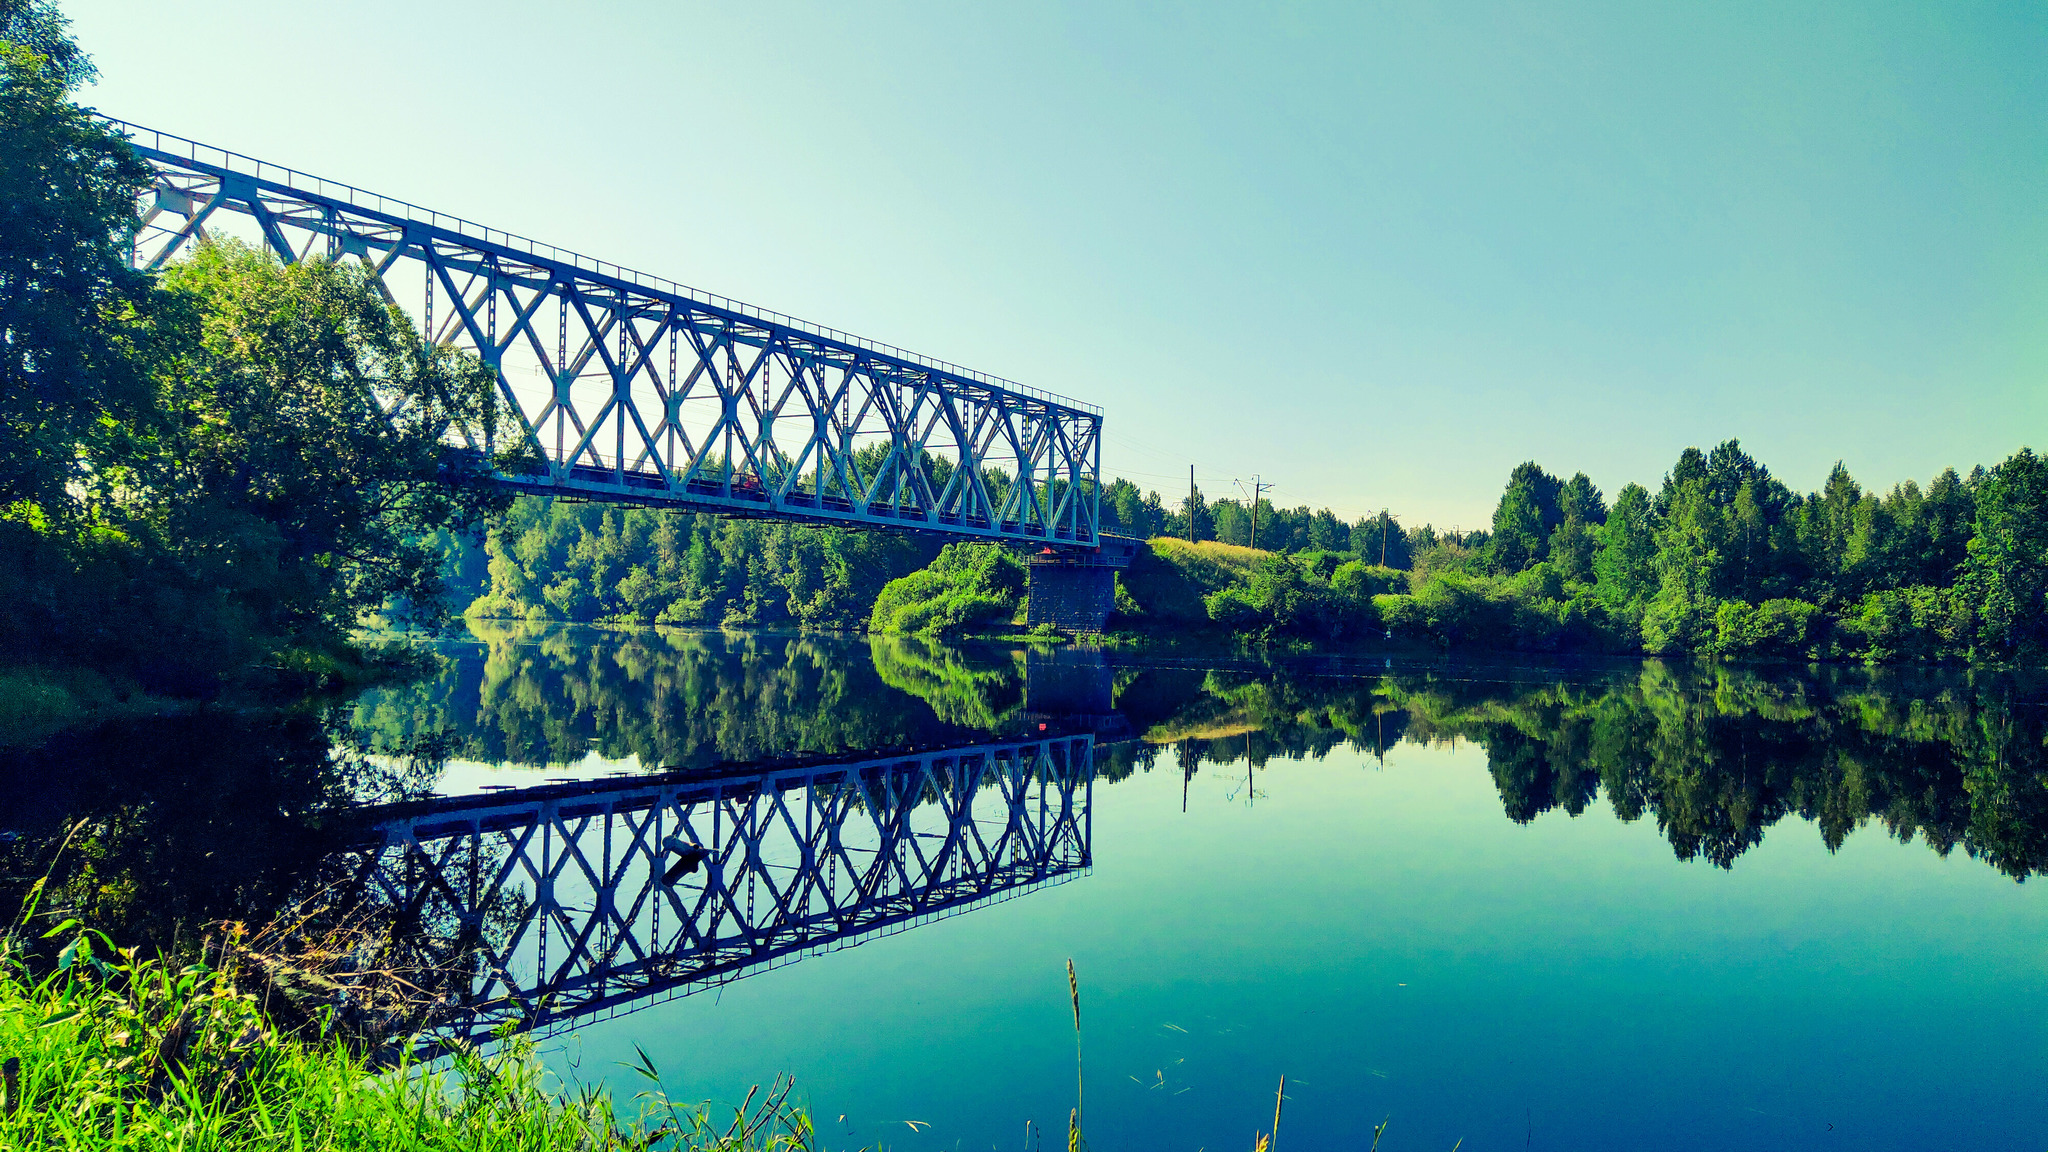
point(1075, 591)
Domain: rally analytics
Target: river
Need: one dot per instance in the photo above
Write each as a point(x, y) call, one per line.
point(1579, 905)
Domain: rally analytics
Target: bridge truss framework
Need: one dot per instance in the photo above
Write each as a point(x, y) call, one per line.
point(634, 389)
point(565, 902)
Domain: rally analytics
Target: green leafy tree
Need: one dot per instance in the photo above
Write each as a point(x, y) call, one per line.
point(1573, 541)
point(1519, 537)
point(1326, 533)
point(1380, 540)
point(281, 459)
point(1624, 564)
point(76, 332)
point(42, 28)
point(2006, 573)
point(1233, 522)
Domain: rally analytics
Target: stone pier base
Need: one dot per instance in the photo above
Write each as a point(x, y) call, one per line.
point(1076, 591)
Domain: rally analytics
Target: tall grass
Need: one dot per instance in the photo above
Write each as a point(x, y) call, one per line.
point(1074, 1141)
point(112, 1053)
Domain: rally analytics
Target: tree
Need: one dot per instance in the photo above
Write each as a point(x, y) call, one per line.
point(1327, 533)
point(1526, 516)
point(1233, 522)
point(1573, 541)
point(1124, 506)
point(278, 457)
point(76, 340)
point(40, 27)
point(1624, 565)
point(1193, 506)
point(2006, 573)
point(1381, 540)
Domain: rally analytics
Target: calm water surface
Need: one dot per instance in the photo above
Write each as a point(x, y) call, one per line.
point(1582, 906)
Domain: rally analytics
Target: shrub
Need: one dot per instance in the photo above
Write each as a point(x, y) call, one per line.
point(1277, 598)
point(1773, 628)
point(1449, 608)
point(1363, 581)
point(965, 586)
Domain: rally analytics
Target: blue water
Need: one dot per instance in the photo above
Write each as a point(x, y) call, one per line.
point(1381, 935)
point(1363, 872)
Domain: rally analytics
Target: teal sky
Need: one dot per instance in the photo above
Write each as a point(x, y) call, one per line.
point(1378, 253)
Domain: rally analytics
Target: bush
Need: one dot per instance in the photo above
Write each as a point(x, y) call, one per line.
point(1906, 623)
point(1773, 628)
point(1363, 581)
point(966, 586)
point(1277, 598)
point(1450, 608)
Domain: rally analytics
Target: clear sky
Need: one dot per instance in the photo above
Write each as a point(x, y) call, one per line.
point(1377, 253)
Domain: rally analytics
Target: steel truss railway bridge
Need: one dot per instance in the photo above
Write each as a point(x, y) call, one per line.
point(635, 389)
point(575, 900)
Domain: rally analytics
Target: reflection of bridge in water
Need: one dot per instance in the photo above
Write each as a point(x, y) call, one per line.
point(571, 900)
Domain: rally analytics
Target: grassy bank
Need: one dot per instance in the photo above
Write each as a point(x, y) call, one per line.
point(107, 1052)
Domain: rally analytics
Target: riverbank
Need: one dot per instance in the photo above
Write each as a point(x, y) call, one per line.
point(108, 1053)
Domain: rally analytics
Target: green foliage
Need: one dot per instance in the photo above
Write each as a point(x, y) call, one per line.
point(42, 28)
point(277, 444)
point(552, 560)
point(1777, 628)
point(1449, 609)
point(119, 1053)
point(196, 487)
point(2006, 571)
point(1624, 564)
point(1723, 559)
point(966, 586)
point(77, 332)
point(1726, 560)
point(1380, 540)
point(1285, 597)
point(1360, 580)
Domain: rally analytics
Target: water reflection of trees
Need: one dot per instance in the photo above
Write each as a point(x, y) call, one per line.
point(975, 690)
point(547, 694)
point(181, 820)
point(1715, 754)
point(152, 828)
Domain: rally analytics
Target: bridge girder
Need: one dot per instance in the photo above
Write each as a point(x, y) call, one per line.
point(652, 393)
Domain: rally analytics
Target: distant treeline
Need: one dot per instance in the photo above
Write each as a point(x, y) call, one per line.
point(1128, 512)
point(1722, 559)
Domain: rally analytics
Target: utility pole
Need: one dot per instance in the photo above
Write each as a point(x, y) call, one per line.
point(1256, 489)
point(1383, 537)
point(1191, 503)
